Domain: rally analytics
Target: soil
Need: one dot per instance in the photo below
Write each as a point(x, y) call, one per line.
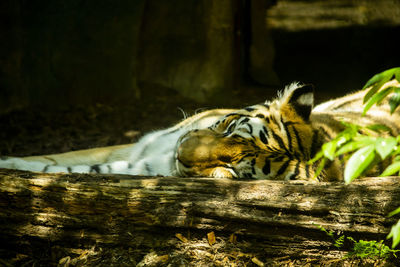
point(43, 130)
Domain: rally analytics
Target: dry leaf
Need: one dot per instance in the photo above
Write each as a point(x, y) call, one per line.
point(211, 238)
point(163, 258)
point(181, 238)
point(257, 262)
point(233, 238)
point(64, 261)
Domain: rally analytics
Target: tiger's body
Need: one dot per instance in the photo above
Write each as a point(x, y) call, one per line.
point(274, 140)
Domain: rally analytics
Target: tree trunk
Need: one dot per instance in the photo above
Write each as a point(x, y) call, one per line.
point(157, 219)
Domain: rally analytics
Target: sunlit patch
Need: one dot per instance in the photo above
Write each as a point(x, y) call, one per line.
point(259, 141)
point(119, 166)
point(221, 172)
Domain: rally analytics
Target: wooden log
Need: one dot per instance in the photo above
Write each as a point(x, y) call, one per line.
point(263, 218)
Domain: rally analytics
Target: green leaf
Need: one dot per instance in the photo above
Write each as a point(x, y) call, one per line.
point(339, 242)
point(354, 145)
point(370, 93)
point(385, 146)
point(394, 100)
point(374, 89)
point(397, 74)
point(377, 98)
point(379, 128)
point(391, 169)
point(383, 76)
point(329, 149)
point(358, 162)
point(320, 168)
point(319, 155)
point(392, 213)
point(395, 234)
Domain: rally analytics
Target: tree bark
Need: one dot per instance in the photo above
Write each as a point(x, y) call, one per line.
point(264, 218)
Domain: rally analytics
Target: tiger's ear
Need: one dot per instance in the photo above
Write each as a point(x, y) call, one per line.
point(301, 98)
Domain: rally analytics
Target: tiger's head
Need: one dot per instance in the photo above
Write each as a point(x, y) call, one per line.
point(273, 140)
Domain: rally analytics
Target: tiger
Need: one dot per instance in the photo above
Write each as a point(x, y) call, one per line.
point(273, 140)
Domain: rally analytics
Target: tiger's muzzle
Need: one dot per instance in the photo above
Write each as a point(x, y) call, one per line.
point(207, 153)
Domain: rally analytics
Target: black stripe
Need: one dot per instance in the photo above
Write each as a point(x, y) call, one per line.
point(267, 167)
point(299, 142)
point(296, 171)
point(322, 131)
point(184, 165)
point(229, 115)
point(329, 163)
point(308, 166)
point(265, 130)
point(69, 169)
point(173, 131)
point(230, 129)
point(283, 168)
point(109, 168)
point(278, 158)
point(315, 145)
point(245, 120)
point(248, 175)
point(148, 168)
point(261, 116)
point(45, 168)
point(274, 121)
point(249, 109)
point(250, 128)
point(95, 168)
point(263, 138)
point(51, 159)
point(289, 137)
point(130, 166)
point(279, 140)
point(243, 158)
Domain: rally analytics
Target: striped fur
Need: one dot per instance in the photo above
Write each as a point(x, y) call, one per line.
point(273, 140)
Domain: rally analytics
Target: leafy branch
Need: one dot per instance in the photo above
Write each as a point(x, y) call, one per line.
point(365, 146)
point(362, 149)
point(379, 88)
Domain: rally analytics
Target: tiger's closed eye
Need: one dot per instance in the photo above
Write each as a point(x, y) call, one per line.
point(230, 127)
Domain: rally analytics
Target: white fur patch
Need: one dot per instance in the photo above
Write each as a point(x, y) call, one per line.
point(306, 99)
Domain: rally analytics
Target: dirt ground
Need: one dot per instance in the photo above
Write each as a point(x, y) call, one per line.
point(37, 131)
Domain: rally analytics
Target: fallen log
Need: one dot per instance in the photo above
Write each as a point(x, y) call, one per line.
point(260, 220)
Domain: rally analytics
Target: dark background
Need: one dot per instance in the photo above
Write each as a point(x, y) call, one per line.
point(77, 74)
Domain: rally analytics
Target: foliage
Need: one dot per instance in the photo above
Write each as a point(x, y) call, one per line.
point(378, 91)
point(338, 242)
point(364, 147)
point(362, 249)
point(370, 249)
point(361, 148)
point(395, 231)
